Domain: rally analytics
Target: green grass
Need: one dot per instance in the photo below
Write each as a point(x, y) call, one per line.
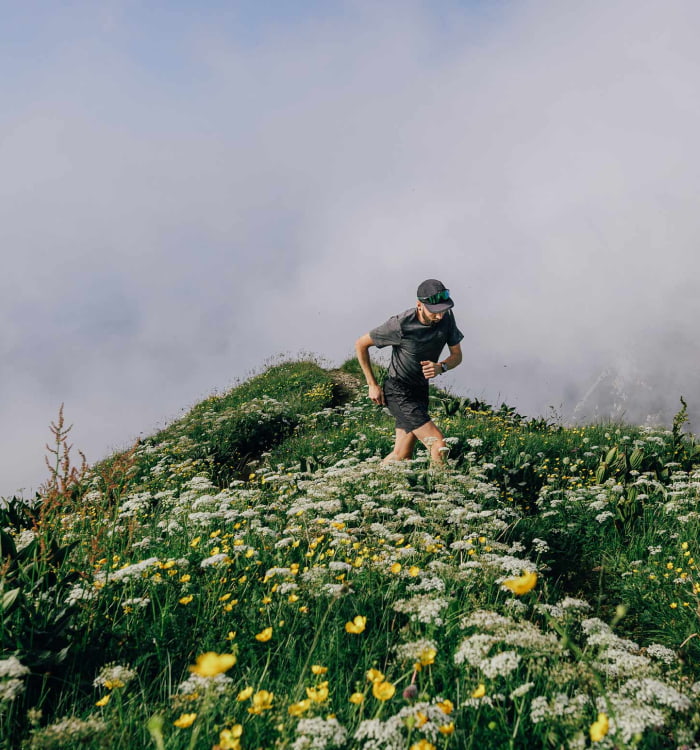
point(262, 524)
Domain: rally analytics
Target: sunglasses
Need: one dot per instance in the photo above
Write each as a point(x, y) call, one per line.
point(435, 298)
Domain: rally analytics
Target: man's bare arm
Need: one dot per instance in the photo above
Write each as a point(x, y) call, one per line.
point(362, 346)
point(432, 369)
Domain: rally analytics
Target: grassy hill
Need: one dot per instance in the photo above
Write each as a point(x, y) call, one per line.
point(253, 577)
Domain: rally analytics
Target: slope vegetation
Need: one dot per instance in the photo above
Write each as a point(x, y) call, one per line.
point(253, 577)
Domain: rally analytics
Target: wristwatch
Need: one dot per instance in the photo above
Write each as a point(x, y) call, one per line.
point(443, 367)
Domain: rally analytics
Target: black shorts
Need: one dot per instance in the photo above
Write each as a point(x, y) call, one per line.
point(407, 405)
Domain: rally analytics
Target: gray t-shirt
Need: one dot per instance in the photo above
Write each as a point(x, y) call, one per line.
point(413, 342)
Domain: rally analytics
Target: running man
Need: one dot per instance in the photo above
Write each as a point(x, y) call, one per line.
point(417, 337)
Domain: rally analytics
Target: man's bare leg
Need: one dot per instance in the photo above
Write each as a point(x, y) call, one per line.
point(434, 441)
point(403, 446)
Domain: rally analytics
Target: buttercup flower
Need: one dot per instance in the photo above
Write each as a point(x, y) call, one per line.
point(422, 745)
point(426, 657)
point(229, 739)
point(210, 664)
point(480, 692)
point(357, 626)
point(356, 698)
point(262, 701)
point(264, 635)
point(318, 694)
point(300, 708)
point(521, 585)
point(599, 728)
point(383, 691)
point(185, 720)
point(245, 694)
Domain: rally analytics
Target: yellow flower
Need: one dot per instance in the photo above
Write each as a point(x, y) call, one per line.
point(319, 694)
point(446, 706)
point(374, 675)
point(396, 568)
point(422, 745)
point(413, 571)
point(103, 701)
point(521, 585)
point(673, 605)
point(427, 656)
point(480, 692)
point(112, 684)
point(292, 598)
point(447, 729)
point(229, 739)
point(262, 701)
point(383, 691)
point(357, 625)
point(186, 599)
point(264, 635)
point(210, 664)
point(599, 728)
point(195, 541)
point(185, 578)
point(297, 709)
point(421, 719)
point(356, 698)
point(185, 720)
point(245, 694)
point(318, 669)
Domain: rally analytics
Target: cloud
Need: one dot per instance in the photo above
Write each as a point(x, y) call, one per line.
point(177, 208)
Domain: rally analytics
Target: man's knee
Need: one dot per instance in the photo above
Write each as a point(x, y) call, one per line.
point(429, 433)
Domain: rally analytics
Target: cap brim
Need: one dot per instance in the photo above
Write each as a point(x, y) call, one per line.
point(448, 304)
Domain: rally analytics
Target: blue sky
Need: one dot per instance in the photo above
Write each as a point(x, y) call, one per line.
point(189, 190)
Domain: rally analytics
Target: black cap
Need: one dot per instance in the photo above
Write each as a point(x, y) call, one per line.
point(430, 288)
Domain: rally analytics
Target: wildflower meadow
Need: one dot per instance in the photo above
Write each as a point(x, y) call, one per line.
point(252, 577)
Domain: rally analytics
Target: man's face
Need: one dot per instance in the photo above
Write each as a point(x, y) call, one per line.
point(426, 317)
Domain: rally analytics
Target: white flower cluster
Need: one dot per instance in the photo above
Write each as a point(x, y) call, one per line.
point(196, 685)
point(11, 673)
point(318, 734)
point(67, 732)
point(136, 570)
point(79, 593)
point(500, 665)
point(423, 608)
point(561, 706)
point(389, 735)
point(663, 654)
point(114, 675)
point(413, 650)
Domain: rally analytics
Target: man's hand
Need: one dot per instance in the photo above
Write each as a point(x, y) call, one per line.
point(376, 394)
point(430, 369)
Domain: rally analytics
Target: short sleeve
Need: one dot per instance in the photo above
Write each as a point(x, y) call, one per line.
point(454, 335)
point(387, 334)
